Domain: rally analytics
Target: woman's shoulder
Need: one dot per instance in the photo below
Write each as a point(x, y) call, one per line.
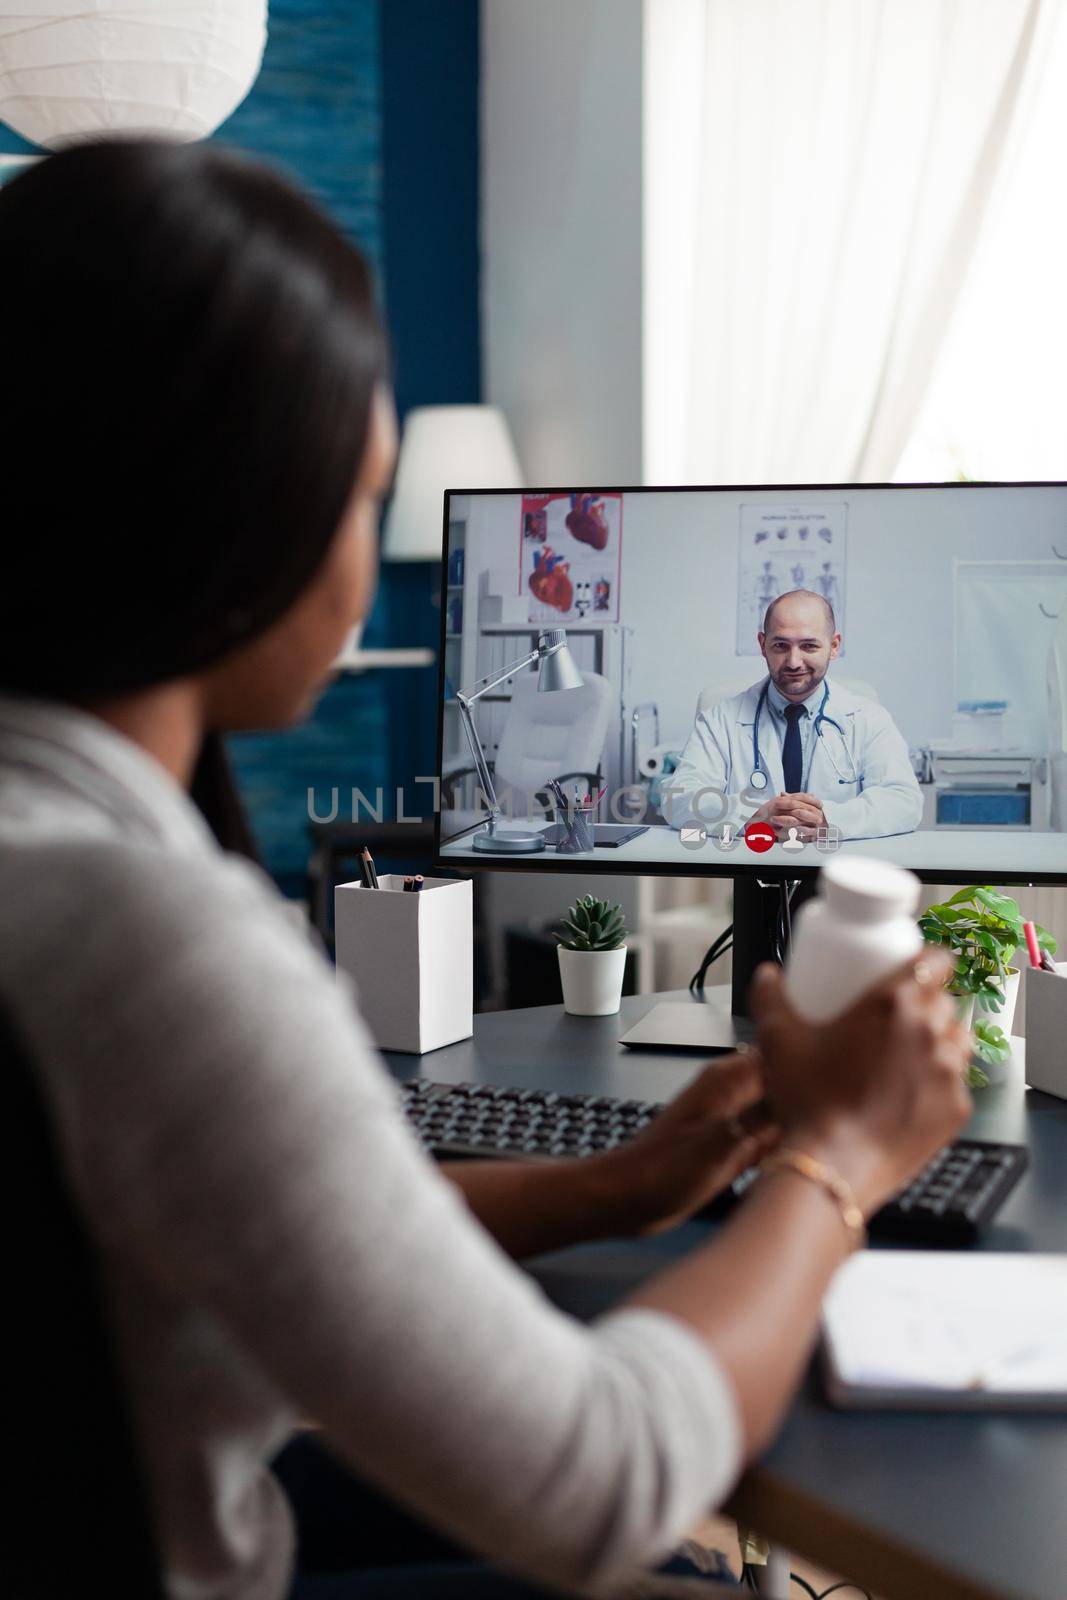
point(83, 920)
point(138, 974)
point(129, 885)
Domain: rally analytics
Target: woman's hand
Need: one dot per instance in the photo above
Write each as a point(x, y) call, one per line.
point(876, 1091)
point(874, 1094)
point(697, 1145)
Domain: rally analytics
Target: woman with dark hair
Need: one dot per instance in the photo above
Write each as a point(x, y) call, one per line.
point(198, 434)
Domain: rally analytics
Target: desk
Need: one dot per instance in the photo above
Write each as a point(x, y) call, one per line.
point(918, 1507)
point(947, 849)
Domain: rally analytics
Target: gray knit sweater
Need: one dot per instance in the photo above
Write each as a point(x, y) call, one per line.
point(273, 1242)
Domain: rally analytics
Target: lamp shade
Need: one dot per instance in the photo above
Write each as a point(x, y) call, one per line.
point(82, 69)
point(558, 668)
point(443, 447)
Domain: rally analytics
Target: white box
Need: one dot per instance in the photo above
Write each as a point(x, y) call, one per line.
point(412, 959)
point(1046, 1029)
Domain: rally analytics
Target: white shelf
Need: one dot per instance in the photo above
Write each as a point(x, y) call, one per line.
point(364, 660)
point(539, 627)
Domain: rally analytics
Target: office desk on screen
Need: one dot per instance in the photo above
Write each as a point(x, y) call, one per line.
point(917, 1507)
point(955, 851)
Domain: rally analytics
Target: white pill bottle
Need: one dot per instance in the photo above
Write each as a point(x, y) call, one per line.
point(858, 928)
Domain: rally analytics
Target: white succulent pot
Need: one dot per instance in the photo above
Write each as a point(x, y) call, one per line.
point(592, 980)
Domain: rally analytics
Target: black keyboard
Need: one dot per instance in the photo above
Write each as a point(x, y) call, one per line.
point(956, 1196)
point(950, 1203)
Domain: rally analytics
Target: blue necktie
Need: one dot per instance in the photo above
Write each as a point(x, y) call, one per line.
point(792, 753)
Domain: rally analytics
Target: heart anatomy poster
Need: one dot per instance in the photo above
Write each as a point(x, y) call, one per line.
point(787, 547)
point(570, 553)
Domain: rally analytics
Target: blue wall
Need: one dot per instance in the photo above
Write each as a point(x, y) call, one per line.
point(429, 101)
point(315, 111)
point(372, 106)
point(396, 161)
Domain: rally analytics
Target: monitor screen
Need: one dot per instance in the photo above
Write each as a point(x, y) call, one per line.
point(715, 680)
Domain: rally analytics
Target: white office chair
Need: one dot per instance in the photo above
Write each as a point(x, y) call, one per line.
point(548, 736)
point(725, 687)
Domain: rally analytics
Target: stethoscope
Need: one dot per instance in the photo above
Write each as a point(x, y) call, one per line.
point(758, 778)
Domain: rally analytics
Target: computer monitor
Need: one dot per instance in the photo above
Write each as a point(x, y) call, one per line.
point(896, 655)
point(920, 631)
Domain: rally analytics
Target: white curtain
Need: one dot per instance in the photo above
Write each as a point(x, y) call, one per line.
point(817, 173)
point(817, 176)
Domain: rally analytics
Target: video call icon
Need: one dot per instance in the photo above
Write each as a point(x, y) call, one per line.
point(693, 838)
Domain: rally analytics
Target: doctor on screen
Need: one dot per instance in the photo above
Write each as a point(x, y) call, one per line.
point(797, 749)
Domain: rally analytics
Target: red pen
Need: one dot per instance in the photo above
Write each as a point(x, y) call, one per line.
point(1038, 957)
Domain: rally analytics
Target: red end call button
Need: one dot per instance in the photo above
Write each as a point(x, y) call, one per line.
point(759, 836)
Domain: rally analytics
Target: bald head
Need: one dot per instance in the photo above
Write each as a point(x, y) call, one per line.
point(798, 641)
point(802, 600)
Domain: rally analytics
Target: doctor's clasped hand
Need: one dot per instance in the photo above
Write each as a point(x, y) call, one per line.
point(801, 811)
point(798, 749)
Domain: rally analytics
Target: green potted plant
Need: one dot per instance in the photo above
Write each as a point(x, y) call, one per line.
point(983, 929)
point(592, 957)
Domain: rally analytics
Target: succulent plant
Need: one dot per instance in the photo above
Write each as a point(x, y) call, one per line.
point(593, 924)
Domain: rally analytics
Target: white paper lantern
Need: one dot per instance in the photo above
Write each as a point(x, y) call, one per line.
point(82, 69)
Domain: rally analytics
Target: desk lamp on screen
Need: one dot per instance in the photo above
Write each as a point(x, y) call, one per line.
point(556, 670)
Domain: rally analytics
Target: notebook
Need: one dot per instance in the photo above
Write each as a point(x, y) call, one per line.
point(944, 1330)
point(606, 835)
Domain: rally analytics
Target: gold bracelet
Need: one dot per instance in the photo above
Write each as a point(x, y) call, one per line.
point(818, 1172)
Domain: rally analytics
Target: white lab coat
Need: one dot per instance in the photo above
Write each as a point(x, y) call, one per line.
point(718, 756)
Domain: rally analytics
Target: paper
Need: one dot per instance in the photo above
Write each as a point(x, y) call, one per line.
point(650, 762)
point(786, 547)
point(570, 555)
point(899, 1319)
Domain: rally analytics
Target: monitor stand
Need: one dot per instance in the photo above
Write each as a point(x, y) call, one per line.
point(703, 1022)
point(757, 907)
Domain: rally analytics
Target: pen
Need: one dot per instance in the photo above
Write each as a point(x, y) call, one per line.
point(1032, 944)
point(370, 876)
point(1038, 957)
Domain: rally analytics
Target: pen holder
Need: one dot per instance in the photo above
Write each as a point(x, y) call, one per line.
point(1046, 1029)
point(411, 957)
point(577, 833)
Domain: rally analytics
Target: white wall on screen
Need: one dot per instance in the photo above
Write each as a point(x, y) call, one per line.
point(679, 578)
